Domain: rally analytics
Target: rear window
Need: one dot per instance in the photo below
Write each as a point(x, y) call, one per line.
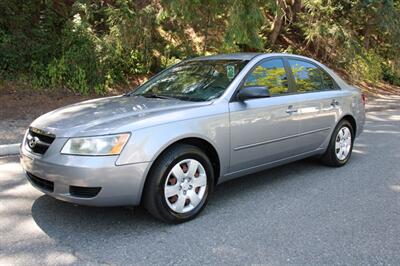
point(329, 84)
point(307, 76)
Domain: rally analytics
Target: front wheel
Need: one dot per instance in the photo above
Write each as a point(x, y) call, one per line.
point(179, 184)
point(340, 146)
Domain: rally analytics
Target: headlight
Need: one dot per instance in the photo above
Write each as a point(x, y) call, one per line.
point(99, 145)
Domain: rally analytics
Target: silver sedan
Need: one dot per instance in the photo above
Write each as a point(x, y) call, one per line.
point(194, 125)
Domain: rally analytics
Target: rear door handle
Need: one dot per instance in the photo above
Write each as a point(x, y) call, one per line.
point(290, 110)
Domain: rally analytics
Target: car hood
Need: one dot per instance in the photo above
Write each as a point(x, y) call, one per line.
point(106, 115)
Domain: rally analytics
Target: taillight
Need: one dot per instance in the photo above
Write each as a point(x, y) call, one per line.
point(363, 98)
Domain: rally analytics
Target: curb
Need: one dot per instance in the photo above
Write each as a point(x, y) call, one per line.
point(9, 149)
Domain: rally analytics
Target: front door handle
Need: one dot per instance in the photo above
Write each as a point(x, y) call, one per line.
point(335, 103)
point(290, 110)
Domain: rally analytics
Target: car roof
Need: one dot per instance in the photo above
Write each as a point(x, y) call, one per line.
point(234, 56)
point(245, 56)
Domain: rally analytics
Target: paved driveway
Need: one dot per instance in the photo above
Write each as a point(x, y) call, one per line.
point(298, 214)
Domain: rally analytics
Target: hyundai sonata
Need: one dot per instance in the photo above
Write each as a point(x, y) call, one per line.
point(194, 125)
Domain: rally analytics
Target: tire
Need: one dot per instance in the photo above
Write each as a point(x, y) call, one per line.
point(333, 155)
point(167, 175)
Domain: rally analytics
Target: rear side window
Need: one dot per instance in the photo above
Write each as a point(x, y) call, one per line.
point(307, 76)
point(271, 74)
point(329, 84)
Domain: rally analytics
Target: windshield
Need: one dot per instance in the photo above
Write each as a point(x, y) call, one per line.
point(193, 81)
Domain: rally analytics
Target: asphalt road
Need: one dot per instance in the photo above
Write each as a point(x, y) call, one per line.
point(299, 214)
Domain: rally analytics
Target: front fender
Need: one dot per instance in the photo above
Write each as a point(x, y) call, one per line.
point(146, 144)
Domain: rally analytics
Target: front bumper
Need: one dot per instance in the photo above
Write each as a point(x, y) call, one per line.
point(60, 175)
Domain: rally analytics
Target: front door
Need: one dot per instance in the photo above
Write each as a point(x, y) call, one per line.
point(264, 130)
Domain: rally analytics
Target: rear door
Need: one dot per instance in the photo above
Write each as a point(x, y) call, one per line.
point(318, 111)
point(264, 130)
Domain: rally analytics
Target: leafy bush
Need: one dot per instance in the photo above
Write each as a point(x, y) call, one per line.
point(367, 66)
point(76, 69)
point(390, 75)
point(26, 38)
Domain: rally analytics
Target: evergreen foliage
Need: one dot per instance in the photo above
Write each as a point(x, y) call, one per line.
point(90, 45)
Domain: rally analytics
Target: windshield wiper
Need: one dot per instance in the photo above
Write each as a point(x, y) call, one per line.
point(153, 95)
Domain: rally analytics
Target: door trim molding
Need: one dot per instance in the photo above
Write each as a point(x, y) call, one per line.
point(268, 165)
point(280, 139)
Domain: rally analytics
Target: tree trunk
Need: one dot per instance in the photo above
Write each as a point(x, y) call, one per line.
point(206, 32)
point(278, 21)
point(366, 37)
point(287, 10)
point(296, 9)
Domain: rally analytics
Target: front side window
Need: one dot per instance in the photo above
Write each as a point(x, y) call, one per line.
point(271, 74)
point(201, 80)
point(306, 75)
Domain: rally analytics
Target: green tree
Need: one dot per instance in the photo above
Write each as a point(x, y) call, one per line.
point(91, 46)
point(244, 26)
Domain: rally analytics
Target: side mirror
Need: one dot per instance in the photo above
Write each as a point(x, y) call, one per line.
point(253, 92)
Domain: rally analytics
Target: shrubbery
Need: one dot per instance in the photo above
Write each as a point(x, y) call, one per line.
point(77, 67)
point(67, 53)
point(389, 74)
point(367, 66)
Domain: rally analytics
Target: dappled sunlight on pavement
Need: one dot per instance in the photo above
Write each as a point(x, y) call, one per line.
point(21, 237)
point(395, 117)
point(384, 102)
point(395, 188)
point(8, 169)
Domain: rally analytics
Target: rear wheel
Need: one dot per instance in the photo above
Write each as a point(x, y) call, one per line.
point(340, 146)
point(179, 184)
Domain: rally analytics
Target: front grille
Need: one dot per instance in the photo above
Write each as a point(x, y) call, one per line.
point(84, 192)
point(40, 182)
point(38, 141)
